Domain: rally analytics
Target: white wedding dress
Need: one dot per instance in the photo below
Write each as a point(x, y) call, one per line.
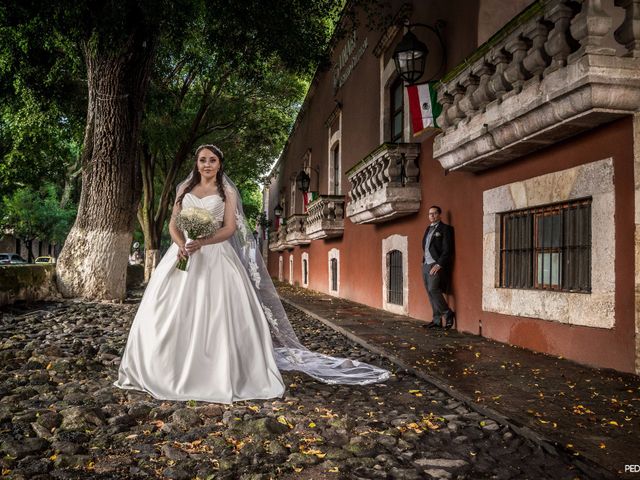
point(201, 334)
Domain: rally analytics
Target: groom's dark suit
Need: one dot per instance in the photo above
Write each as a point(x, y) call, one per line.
point(441, 251)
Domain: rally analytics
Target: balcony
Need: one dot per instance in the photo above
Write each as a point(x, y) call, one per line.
point(273, 241)
point(282, 238)
point(296, 231)
point(325, 217)
point(384, 185)
point(553, 72)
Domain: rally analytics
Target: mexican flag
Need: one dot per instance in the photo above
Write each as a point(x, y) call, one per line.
point(308, 198)
point(423, 106)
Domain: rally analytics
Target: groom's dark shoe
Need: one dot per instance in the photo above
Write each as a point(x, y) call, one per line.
point(450, 319)
point(432, 325)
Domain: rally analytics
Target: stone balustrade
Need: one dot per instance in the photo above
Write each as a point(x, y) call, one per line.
point(273, 241)
point(325, 217)
point(384, 185)
point(282, 238)
point(296, 230)
point(558, 69)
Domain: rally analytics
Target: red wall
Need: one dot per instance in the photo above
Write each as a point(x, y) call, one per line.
point(460, 196)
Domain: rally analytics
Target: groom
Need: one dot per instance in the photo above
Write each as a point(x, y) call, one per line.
point(437, 248)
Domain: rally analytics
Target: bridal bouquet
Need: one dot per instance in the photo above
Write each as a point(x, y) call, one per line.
point(198, 223)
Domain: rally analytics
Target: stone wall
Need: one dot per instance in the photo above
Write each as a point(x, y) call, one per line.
point(37, 282)
point(27, 282)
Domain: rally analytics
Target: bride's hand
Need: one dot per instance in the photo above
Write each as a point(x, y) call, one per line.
point(182, 252)
point(193, 246)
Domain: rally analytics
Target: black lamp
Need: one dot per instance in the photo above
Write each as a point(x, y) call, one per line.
point(410, 55)
point(303, 181)
point(277, 211)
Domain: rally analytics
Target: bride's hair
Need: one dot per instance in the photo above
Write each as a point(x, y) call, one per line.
point(195, 174)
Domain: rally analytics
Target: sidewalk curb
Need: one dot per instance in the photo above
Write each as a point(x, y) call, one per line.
point(585, 464)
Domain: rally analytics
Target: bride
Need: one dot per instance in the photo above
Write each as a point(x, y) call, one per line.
point(217, 332)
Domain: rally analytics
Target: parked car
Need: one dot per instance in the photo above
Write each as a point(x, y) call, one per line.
point(45, 259)
point(11, 258)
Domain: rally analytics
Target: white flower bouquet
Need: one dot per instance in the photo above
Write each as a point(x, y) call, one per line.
point(197, 223)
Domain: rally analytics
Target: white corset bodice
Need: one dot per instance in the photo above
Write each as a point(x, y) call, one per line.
point(212, 203)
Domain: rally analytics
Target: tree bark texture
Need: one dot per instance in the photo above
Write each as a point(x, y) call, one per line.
point(93, 262)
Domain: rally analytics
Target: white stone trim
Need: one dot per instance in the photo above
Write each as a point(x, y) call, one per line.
point(400, 243)
point(290, 269)
point(596, 309)
point(305, 258)
point(280, 268)
point(333, 253)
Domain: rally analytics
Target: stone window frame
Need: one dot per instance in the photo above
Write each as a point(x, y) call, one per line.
point(595, 309)
point(400, 243)
point(305, 258)
point(333, 253)
point(280, 268)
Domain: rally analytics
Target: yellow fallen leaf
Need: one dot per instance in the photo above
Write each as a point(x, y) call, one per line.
point(333, 470)
point(254, 408)
point(477, 354)
point(614, 423)
point(602, 445)
point(312, 425)
point(53, 457)
point(297, 469)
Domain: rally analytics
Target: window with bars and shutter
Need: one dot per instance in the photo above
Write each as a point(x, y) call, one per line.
point(305, 272)
point(335, 162)
point(397, 110)
point(547, 248)
point(395, 287)
point(334, 274)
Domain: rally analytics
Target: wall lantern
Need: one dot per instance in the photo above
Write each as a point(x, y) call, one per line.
point(410, 55)
point(303, 181)
point(277, 211)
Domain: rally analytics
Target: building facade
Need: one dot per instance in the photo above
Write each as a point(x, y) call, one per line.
point(536, 165)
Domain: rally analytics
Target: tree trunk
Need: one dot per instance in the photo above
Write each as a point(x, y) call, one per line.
point(151, 259)
point(93, 262)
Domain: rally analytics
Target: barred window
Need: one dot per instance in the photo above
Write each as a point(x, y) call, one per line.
point(394, 288)
point(304, 272)
point(547, 248)
point(334, 274)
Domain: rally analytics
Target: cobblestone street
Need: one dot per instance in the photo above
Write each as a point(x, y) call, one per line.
point(60, 417)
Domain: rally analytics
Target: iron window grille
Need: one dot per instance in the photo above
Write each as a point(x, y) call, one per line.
point(395, 285)
point(304, 272)
point(334, 274)
point(547, 248)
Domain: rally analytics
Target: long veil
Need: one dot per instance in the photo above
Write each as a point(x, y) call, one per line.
point(289, 353)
